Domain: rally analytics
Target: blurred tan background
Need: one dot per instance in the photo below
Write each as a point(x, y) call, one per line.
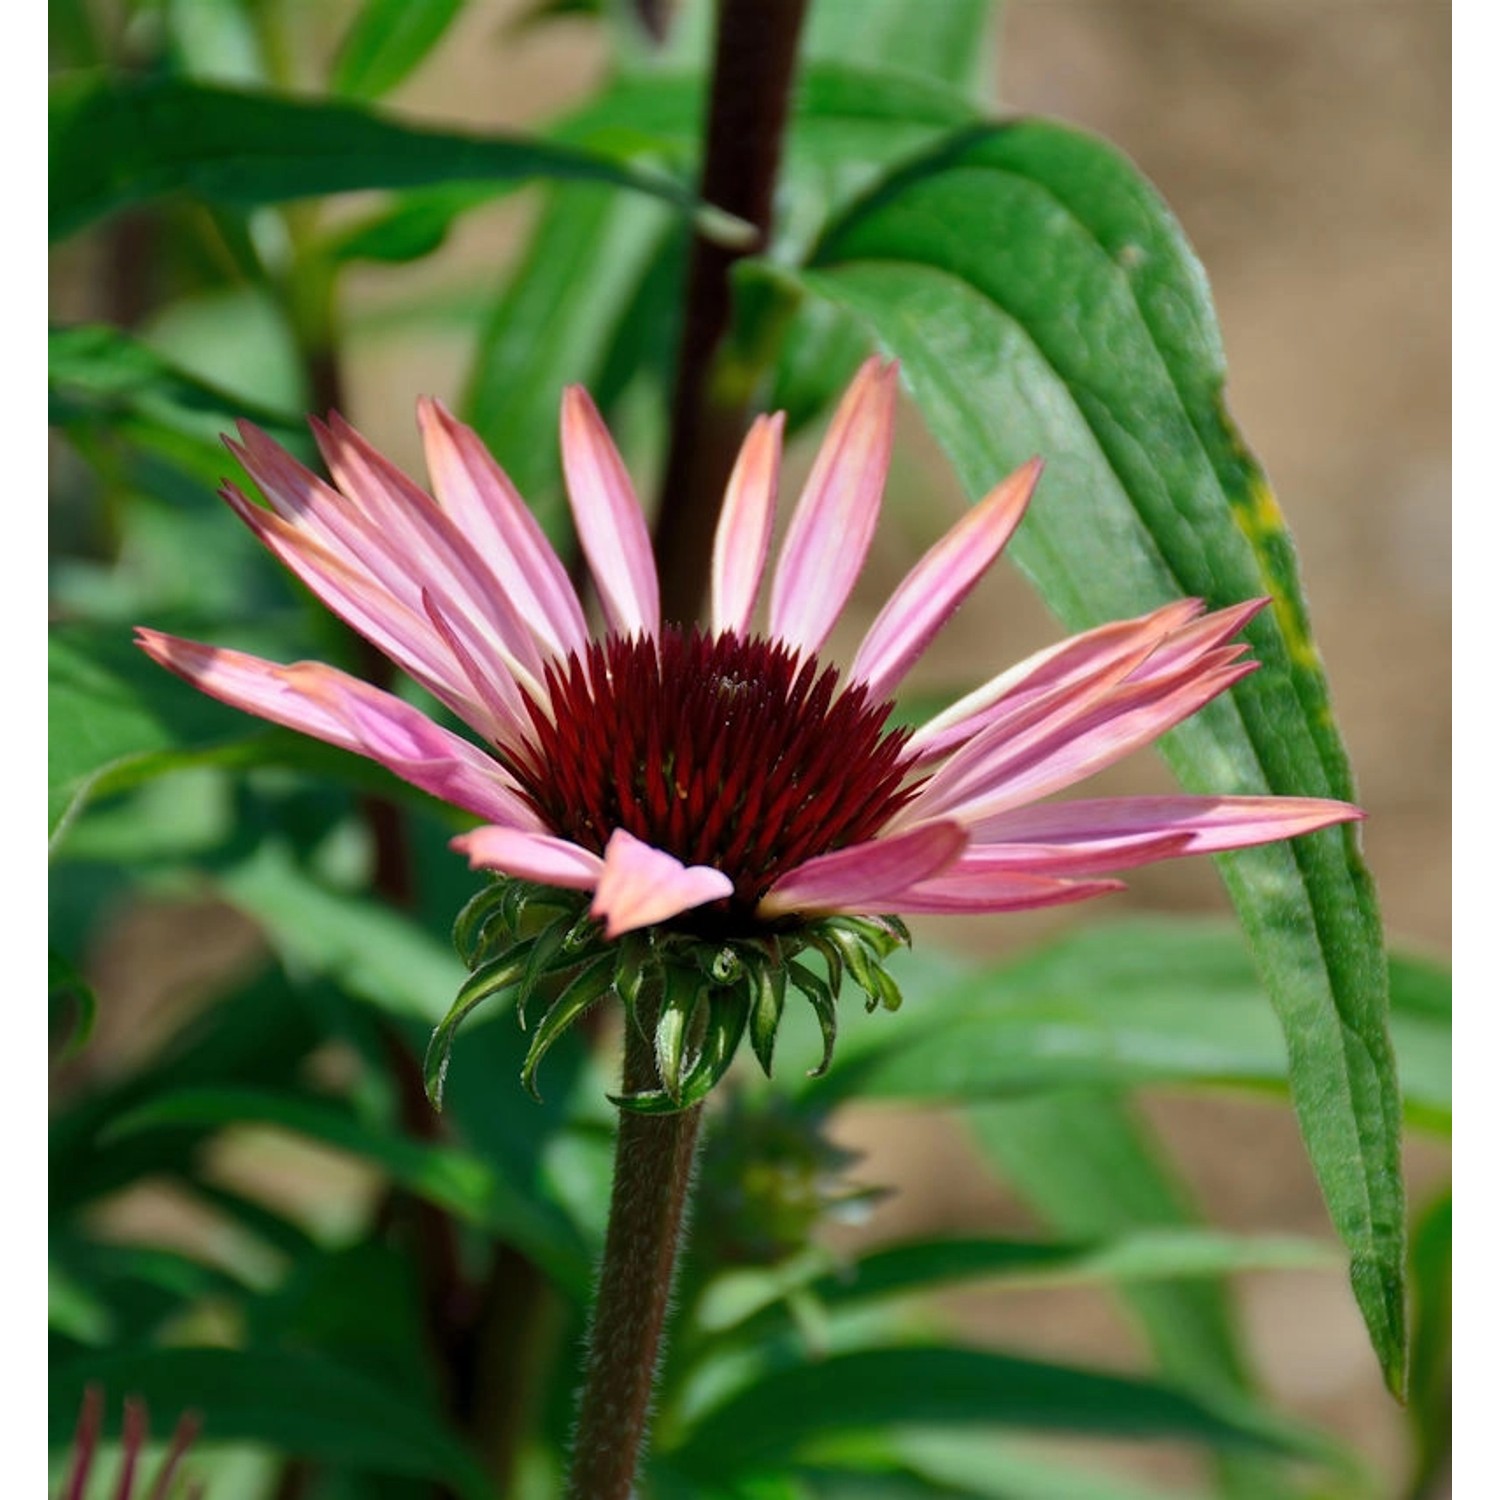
point(1304, 144)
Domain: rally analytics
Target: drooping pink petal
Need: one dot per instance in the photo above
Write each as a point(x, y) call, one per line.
point(640, 885)
point(530, 856)
point(485, 506)
point(985, 891)
point(743, 536)
point(330, 705)
point(392, 545)
point(408, 639)
point(496, 690)
point(1071, 661)
point(1121, 828)
point(863, 876)
point(422, 543)
point(833, 523)
point(610, 525)
point(929, 594)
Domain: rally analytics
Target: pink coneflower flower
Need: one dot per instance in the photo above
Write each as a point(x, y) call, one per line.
point(724, 789)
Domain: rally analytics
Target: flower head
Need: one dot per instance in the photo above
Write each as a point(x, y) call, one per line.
point(717, 800)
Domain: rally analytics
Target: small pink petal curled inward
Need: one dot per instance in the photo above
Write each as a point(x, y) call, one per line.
point(477, 493)
point(833, 523)
point(609, 520)
point(332, 706)
point(865, 875)
point(530, 856)
point(1119, 826)
point(929, 594)
point(640, 886)
point(743, 536)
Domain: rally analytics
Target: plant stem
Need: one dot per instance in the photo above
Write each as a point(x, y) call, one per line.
point(755, 51)
point(653, 1175)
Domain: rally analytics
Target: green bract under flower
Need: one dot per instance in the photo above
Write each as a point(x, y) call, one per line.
point(694, 997)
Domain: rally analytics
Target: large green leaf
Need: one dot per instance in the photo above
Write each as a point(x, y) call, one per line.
point(116, 143)
point(298, 1403)
point(771, 1423)
point(1043, 300)
point(1148, 1000)
point(386, 41)
point(1089, 1167)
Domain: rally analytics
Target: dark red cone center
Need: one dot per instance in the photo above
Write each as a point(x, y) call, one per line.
point(726, 750)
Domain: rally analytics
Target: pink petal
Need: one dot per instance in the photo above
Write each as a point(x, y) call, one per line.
point(609, 520)
point(485, 506)
point(423, 546)
point(1130, 716)
point(530, 856)
point(865, 875)
point(930, 593)
point(330, 705)
point(1123, 827)
point(1197, 639)
point(1035, 722)
point(641, 886)
point(1069, 860)
point(835, 518)
point(407, 639)
point(743, 536)
point(1071, 661)
point(960, 894)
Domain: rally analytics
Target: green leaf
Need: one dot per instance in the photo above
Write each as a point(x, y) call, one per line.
point(301, 1404)
point(97, 369)
point(453, 1179)
point(386, 41)
point(1084, 1162)
point(118, 142)
point(949, 43)
point(770, 1424)
point(924, 1265)
point(1043, 300)
point(115, 717)
point(1148, 1000)
point(552, 326)
point(1431, 1409)
point(71, 1006)
point(369, 949)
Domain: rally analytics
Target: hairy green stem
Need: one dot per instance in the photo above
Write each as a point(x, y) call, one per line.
point(654, 1157)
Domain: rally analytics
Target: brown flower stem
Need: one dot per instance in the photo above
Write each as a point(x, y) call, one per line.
point(755, 52)
point(654, 1157)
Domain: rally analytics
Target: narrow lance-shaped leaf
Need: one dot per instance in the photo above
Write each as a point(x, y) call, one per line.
point(118, 143)
point(1043, 300)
